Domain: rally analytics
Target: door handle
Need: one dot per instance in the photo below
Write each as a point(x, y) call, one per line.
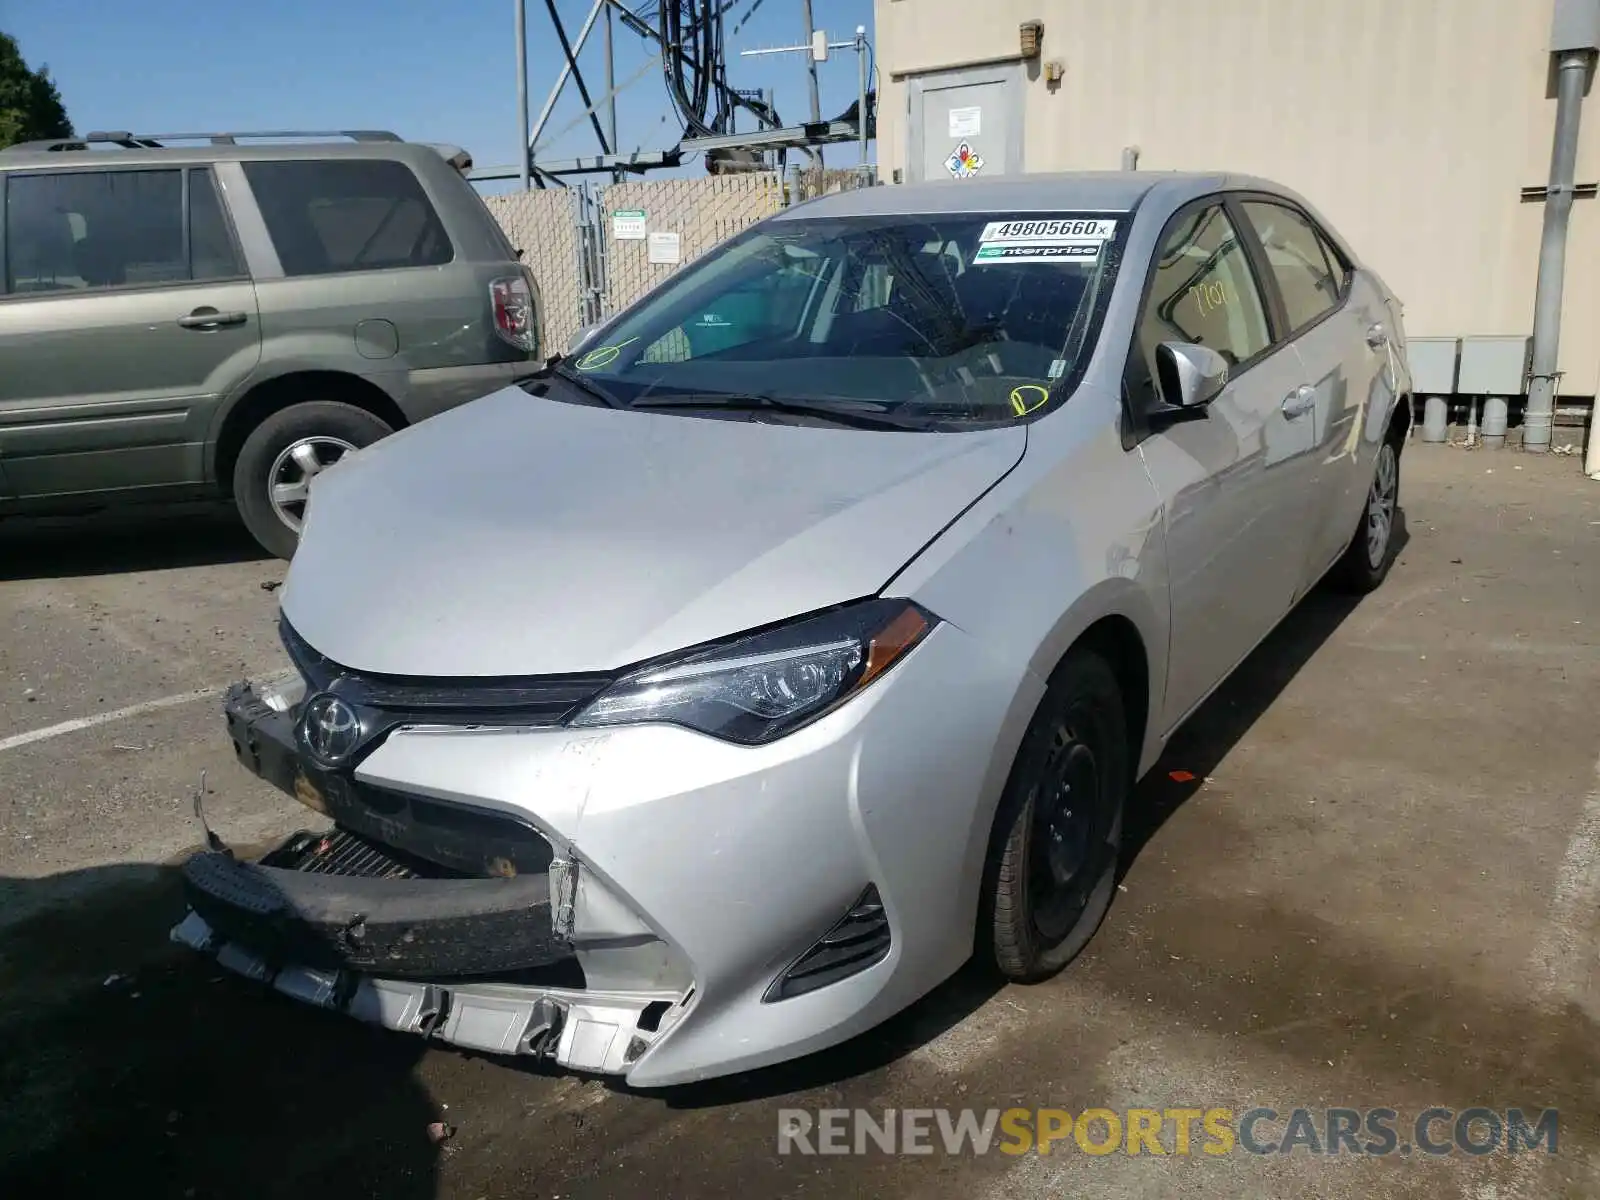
point(210, 318)
point(1300, 401)
point(1377, 337)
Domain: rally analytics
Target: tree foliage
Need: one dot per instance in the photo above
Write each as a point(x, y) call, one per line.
point(30, 106)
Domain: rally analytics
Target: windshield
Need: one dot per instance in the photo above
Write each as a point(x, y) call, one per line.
point(936, 320)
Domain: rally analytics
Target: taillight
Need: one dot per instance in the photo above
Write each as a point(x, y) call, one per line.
point(515, 318)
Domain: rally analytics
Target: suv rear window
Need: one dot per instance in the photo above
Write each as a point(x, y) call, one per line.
point(329, 216)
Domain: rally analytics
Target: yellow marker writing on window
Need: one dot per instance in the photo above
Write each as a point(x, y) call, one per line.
point(602, 356)
point(1027, 397)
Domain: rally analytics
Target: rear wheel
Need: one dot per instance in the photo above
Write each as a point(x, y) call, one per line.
point(272, 477)
point(1369, 556)
point(1052, 864)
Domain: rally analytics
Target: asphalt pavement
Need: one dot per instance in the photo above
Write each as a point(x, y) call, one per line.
point(1373, 883)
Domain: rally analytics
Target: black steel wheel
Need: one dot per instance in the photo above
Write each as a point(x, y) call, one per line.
point(1053, 857)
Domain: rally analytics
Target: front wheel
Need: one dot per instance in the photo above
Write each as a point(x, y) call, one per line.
point(1371, 552)
point(272, 478)
point(1053, 855)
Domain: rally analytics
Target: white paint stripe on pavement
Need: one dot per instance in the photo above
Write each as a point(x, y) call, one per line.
point(1560, 966)
point(17, 740)
point(1561, 959)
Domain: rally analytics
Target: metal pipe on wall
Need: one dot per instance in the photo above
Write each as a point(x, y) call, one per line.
point(525, 173)
point(1572, 69)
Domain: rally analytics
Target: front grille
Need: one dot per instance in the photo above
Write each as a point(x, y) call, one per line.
point(340, 852)
point(858, 941)
point(507, 700)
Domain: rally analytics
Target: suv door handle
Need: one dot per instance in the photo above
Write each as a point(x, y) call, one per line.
point(210, 318)
point(1377, 337)
point(1300, 401)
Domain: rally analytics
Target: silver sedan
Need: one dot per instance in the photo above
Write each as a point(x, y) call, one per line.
point(722, 688)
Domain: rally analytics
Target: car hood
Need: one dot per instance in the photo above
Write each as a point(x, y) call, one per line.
point(523, 536)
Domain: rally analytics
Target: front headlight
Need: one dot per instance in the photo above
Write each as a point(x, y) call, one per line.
point(757, 688)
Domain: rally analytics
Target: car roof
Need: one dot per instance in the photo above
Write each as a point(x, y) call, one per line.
point(21, 158)
point(1069, 191)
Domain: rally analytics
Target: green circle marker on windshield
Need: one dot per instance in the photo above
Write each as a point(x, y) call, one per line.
point(602, 356)
point(1027, 397)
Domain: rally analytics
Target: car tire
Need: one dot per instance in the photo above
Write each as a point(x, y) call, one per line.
point(276, 459)
point(1052, 870)
point(1366, 560)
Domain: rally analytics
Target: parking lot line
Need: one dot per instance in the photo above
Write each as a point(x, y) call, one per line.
point(18, 740)
point(1560, 961)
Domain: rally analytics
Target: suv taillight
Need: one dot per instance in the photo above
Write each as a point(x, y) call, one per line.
point(515, 317)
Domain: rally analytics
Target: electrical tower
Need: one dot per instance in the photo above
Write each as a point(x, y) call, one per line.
point(686, 43)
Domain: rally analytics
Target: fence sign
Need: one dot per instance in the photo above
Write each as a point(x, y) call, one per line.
point(628, 224)
point(665, 247)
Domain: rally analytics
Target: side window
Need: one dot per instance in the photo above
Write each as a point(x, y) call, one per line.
point(334, 215)
point(212, 253)
point(770, 305)
point(1337, 265)
point(78, 230)
point(1203, 292)
point(1299, 263)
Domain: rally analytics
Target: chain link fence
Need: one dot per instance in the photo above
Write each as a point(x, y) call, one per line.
point(593, 251)
point(544, 226)
point(680, 219)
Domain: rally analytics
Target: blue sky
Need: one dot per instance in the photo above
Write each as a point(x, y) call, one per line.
point(431, 70)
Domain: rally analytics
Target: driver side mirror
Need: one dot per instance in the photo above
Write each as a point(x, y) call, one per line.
point(1190, 376)
point(576, 341)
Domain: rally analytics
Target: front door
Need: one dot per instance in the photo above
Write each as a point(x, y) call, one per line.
point(1234, 508)
point(121, 325)
point(966, 124)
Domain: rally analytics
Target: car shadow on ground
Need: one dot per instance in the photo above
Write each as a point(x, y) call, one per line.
point(149, 538)
point(1202, 743)
point(133, 1063)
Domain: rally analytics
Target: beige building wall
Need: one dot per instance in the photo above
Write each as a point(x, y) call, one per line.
point(1412, 124)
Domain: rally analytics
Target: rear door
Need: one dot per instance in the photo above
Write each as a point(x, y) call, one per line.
point(368, 272)
point(1327, 323)
point(125, 314)
point(1227, 477)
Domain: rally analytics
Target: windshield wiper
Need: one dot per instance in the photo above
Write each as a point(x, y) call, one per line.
point(860, 414)
point(556, 365)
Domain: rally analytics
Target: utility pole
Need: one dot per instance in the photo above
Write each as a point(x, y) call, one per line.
point(611, 91)
point(861, 65)
point(525, 154)
point(811, 63)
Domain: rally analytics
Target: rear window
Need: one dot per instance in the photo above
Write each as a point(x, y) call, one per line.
point(331, 216)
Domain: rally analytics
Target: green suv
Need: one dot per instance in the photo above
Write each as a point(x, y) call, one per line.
point(233, 318)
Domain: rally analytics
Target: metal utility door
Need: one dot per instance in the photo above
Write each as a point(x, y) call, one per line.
point(966, 123)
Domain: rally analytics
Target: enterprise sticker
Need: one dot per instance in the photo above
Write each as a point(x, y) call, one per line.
point(1078, 229)
point(994, 252)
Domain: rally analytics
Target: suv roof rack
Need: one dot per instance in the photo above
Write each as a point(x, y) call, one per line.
point(155, 141)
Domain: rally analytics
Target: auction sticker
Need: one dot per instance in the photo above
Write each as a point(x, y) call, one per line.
point(1072, 229)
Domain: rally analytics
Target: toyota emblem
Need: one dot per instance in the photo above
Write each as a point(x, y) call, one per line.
point(330, 728)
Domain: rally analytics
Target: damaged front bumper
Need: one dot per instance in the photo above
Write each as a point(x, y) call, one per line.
point(420, 915)
point(708, 908)
point(578, 1028)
